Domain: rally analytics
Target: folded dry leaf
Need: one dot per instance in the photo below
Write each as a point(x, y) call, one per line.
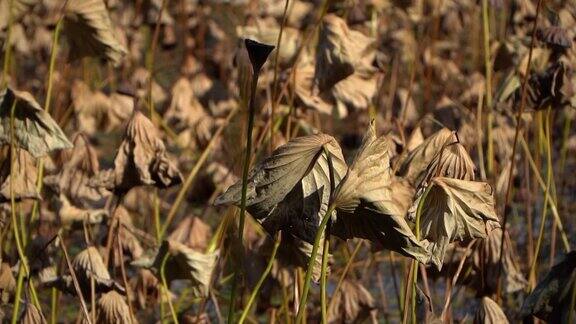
point(372, 202)
point(34, 129)
point(90, 31)
point(21, 179)
point(192, 232)
point(7, 281)
point(455, 209)
point(352, 303)
point(551, 300)
point(489, 313)
point(113, 309)
point(290, 189)
point(80, 164)
point(184, 263)
point(141, 160)
point(31, 315)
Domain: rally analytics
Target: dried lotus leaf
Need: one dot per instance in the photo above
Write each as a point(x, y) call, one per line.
point(453, 161)
point(113, 309)
point(415, 165)
point(455, 209)
point(181, 262)
point(294, 252)
point(73, 179)
point(141, 160)
point(89, 263)
point(7, 281)
point(340, 52)
point(193, 232)
point(21, 180)
point(490, 313)
point(34, 129)
point(90, 31)
point(290, 189)
point(551, 300)
point(15, 10)
point(372, 203)
point(353, 304)
point(32, 315)
point(69, 214)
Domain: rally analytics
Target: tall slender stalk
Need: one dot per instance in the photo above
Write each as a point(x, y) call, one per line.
point(258, 53)
point(326, 248)
point(8, 50)
point(514, 145)
point(166, 289)
point(261, 280)
point(488, 87)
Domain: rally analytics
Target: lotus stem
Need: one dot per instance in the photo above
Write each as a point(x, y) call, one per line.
point(514, 145)
point(74, 280)
point(325, 251)
point(488, 87)
point(246, 168)
point(53, 307)
point(8, 51)
point(414, 262)
point(261, 280)
point(166, 289)
point(308, 277)
point(276, 68)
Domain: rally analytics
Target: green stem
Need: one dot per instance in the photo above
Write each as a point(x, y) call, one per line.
point(166, 289)
point(325, 251)
point(19, 285)
point(261, 280)
point(53, 308)
point(311, 262)
point(246, 167)
point(8, 51)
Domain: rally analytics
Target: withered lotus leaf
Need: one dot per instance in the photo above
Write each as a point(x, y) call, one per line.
point(193, 232)
point(551, 300)
point(141, 160)
point(290, 189)
point(113, 309)
point(415, 166)
point(14, 9)
point(372, 202)
point(69, 214)
point(452, 162)
point(340, 52)
point(7, 281)
point(490, 313)
point(34, 129)
point(353, 304)
point(31, 315)
point(455, 209)
point(73, 179)
point(87, 265)
point(90, 31)
point(184, 263)
point(21, 180)
point(294, 252)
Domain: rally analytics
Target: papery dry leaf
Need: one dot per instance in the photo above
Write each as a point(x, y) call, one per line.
point(130, 243)
point(192, 232)
point(34, 129)
point(80, 165)
point(554, 36)
point(90, 31)
point(304, 88)
point(141, 160)
point(184, 263)
point(87, 265)
point(7, 281)
point(551, 300)
point(113, 309)
point(455, 209)
point(453, 161)
point(353, 304)
point(21, 180)
point(415, 165)
point(31, 315)
point(14, 9)
point(95, 111)
point(372, 202)
point(341, 52)
point(290, 189)
point(146, 286)
point(69, 214)
point(489, 313)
